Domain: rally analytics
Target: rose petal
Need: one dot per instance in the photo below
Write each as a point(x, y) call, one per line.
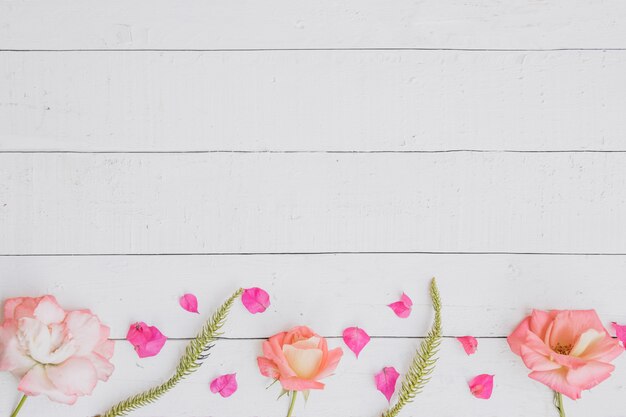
point(620, 331)
point(225, 385)
point(386, 381)
point(356, 339)
point(482, 386)
point(406, 300)
point(189, 302)
point(255, 300)
point(147, 340)
point(402, 308)
point(469, 344)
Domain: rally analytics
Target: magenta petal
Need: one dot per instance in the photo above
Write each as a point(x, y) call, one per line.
point(620, 332)
point(469, 344)
point(189, 302)
point(147, 340)
point(482, 386)
point(400, 309)
point(386, 381)
point(226, 385)
point(356, 339)
point(406, 300)
point(255, 300)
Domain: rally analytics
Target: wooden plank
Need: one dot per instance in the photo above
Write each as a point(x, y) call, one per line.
point(234, 203)
point(350, 392)
point(483, 295)
point(312, 101)
point(243, 24)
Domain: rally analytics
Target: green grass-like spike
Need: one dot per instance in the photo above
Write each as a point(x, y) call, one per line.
point(424, 361)
point(195, 353)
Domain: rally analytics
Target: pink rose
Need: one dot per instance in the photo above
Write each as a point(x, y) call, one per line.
point(298, 358)
point(569, 350)
point(58, 353)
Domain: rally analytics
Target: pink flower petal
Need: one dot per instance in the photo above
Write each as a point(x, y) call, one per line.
point(482, 386)
point(469, 344)
point(402, 308)
point(406, 300)
point(356, 339)
point(147, 340)
point(386, 381)
point(226, 385)
point(189, 302)
point(255, 300)
point(620, 331)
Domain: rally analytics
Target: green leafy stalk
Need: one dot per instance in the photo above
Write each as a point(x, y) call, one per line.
point(424, 361)
point(195, 354)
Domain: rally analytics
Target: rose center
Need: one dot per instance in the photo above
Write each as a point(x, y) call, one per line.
point(562, 349)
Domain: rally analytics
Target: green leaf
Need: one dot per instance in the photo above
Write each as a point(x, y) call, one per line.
point(424, 361)
point(195, 354)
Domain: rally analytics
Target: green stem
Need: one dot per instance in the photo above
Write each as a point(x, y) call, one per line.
point(558, 403)
point(293, 402)
point(19, 406)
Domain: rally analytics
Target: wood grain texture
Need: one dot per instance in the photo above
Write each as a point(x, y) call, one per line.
point(483, 295)
point(245, 24)
point(234, 203)
point(334, 153)
point(312, 101)
point(349, 393)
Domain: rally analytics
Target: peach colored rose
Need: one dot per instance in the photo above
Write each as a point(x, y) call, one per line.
point(298, 359)
point(569, 350)
point(58, 353)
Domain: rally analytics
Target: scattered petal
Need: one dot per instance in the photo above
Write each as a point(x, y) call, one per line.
point(189, 302)
point(402, 308)
point(147, 340)
point(226, 385)
point(255, 300)
point(482, 386)
point(386, 381)
point(620, 331)
point(356, 339)
point(469, 344)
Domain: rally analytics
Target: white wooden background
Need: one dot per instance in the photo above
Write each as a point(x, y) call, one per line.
point(335, 153)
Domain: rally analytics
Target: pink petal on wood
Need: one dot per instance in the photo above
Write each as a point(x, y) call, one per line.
point(386, 381)
point(255, 300)
point(147, 340)
point(356, 339)
point(189, 302)
point(225, 385)
point(469, 344)
point(406, 300)
point(620, 331)
point(482, 386)
point(402, 308)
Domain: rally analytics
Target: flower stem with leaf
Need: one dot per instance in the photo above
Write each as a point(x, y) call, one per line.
point(558, 403)
point(195, 354)
point(424, 361)
point(19, 406)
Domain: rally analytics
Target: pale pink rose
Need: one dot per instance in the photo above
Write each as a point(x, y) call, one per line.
point(569, 350)
point(58, 353)
point(298, 358)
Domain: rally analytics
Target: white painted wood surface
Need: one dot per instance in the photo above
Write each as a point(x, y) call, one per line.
point(334, 153)
point(246, 24)
point(313, 101)
point(278, 203)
